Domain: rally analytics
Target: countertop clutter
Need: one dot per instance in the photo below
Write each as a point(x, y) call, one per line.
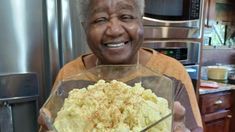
point(214, 87)
point(217, 78)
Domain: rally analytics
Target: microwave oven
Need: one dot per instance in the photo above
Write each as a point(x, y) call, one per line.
point(173, 19)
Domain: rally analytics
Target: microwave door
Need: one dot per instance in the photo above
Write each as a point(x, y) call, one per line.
point(148, 21)
point(165, 32)
point(184, 17)
point(161, 29)
point(176, 10)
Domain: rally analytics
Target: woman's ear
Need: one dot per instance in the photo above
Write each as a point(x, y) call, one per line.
point(142, 18)
point(83, 26)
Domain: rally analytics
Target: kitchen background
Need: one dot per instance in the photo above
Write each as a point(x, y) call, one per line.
point(219, 23)
point(38, 37)
point(216, 94)
point(219, 32)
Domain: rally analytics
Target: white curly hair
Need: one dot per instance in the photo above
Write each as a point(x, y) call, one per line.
point(83, 6)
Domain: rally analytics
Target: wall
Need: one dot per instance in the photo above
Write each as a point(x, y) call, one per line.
point(213, 56)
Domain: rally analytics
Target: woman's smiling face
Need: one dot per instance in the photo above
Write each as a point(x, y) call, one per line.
point(114, 30)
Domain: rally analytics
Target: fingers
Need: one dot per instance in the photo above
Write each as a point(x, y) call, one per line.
point(179, 117)
point(45, 112)
point(41, 121)
point(179, 112)
point(180, 127)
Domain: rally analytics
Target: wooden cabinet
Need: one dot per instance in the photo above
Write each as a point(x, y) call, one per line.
point(225, 13)
point(232, 126)
point(219, 123)
point(219, 10)
point(216, 111)
point(210, 12)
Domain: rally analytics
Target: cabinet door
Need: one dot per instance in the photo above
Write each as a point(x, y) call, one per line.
point(210, 12)
point(219, 125)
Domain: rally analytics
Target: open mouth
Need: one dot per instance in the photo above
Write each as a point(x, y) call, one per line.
point(116, 44)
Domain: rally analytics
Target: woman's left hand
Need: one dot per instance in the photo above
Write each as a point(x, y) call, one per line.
point(179, 118)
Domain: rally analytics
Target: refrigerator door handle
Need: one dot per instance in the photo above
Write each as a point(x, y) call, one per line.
point(53, 56)
point(6, 123)
point(67, 49)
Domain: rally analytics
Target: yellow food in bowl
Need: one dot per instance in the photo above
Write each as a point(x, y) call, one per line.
point(217, 72)
point(112, 107)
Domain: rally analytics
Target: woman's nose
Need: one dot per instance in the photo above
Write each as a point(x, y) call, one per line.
point(115, 28)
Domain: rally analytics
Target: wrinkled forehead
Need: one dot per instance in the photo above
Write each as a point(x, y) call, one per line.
point(112, 5)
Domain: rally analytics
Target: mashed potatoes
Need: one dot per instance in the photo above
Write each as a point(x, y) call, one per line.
point(112, 107)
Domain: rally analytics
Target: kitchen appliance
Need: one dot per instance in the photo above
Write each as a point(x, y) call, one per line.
point(186, 51)
point(193, 71)
point(18, 102)
point(231, 78)
point(173, 19)
point(231, 74)
point(39, 36)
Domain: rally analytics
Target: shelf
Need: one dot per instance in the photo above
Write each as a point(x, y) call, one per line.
point(207, 47)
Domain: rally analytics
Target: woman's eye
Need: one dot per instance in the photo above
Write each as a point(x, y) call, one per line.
point(101, 20)
point(126, 17)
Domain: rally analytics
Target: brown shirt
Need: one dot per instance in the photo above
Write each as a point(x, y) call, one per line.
point(184, 91)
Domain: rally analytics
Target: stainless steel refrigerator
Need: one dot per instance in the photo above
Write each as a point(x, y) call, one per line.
point(36, 36)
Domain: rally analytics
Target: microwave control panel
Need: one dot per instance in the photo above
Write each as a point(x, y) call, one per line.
point(195, 9)
point(177, 53)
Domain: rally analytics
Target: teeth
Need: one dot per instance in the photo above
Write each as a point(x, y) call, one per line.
point(115, 45)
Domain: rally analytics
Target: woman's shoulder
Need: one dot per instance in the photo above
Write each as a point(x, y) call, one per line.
point(166, 65)
point(73, 67)
point(160, 60)
point(74, 64)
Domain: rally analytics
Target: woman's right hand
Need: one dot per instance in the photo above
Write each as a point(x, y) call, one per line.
point(41, 120)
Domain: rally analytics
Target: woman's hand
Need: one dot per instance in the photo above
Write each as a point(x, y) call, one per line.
point(179, 118)
point(41, 121)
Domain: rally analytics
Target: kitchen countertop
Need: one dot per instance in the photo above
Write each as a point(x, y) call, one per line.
point(222, 87)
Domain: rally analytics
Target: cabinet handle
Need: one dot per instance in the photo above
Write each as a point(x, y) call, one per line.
point(218, 102)
point(229, 116)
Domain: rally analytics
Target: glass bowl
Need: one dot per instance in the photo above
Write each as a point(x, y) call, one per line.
point(160, 85)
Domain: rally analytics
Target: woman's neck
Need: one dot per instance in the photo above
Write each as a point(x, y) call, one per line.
point(142, 58)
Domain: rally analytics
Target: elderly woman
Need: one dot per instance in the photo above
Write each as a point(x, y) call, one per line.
point(114, 32)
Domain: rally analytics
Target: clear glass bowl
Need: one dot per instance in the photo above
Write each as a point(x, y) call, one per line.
point(159, 84)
